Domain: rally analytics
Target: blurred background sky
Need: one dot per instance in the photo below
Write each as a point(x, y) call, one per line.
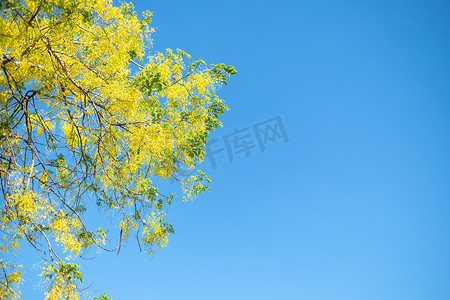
point(351, 200)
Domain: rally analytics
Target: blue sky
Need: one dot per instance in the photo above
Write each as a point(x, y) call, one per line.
point(356, 204)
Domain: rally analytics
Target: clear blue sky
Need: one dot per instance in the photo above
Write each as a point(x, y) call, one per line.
point(356, 204)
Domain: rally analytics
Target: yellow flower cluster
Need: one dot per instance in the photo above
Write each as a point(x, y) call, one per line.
point(154, 234)
point(61, 288)
point(13, 278)
point(64, 228)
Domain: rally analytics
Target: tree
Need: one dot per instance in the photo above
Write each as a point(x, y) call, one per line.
point(85, 117)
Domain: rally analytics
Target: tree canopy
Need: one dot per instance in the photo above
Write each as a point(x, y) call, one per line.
point(90, 115)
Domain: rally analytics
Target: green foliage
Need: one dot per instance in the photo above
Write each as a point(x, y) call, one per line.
point(69, 271)
point(105, 296)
